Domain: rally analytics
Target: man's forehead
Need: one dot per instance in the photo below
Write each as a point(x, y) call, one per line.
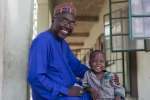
point(67, 16)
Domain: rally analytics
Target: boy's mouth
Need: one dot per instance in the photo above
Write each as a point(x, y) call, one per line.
point(98, 69)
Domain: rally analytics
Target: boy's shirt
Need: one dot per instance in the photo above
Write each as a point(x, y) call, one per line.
point(106, 88)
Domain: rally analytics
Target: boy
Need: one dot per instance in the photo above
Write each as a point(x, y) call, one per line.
point(99, 82)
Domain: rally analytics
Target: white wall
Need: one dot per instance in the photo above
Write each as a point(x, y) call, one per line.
point(143, 63)
point(15, 35)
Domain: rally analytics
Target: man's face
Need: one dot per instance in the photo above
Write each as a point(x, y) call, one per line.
point(64, 25)
point(97, 63)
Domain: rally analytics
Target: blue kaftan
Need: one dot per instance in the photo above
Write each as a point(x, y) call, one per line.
point(53, 68)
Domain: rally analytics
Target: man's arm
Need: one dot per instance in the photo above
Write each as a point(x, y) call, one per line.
point(38, 63)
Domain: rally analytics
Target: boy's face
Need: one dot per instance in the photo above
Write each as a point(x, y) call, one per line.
point(97, 63)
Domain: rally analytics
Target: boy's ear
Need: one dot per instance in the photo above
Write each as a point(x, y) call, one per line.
point(53, 18)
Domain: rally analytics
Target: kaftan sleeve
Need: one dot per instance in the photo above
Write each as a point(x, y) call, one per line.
point(38, 66)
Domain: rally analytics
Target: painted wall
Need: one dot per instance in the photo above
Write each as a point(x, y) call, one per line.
point(15, 34)
point(143, 75)
point(43, 15)
point(97, 28)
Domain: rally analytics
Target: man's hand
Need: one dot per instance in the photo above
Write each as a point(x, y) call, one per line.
point(117, 98)
point(115, 79)
point(94, 93)
point(75, 91)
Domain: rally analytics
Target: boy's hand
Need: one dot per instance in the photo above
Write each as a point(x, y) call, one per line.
point(95, 94)
point(117, 98)
point(75, 91)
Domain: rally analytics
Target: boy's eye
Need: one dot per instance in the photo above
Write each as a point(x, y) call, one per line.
point(102, 61)
point(98, 62)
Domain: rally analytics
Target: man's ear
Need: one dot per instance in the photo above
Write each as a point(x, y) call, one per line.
point(53, 18)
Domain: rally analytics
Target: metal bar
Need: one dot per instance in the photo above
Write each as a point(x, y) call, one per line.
point(140, 15)
point(130, 19)
point(116, 2)
point(145, 45)
point(120, 34)
point(128, 50)
point(123, 69)
point(120, 18)
point(110, 16)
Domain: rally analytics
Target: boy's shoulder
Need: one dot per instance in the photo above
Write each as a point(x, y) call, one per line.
point(108, 75)
point(88, 72)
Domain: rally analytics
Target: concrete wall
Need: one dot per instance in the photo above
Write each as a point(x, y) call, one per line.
point(15, 34)
point(2, 19)
point(143, 75)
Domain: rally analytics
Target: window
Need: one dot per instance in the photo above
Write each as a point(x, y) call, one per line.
point(119, 29)
point(115, 61)
point(139, 19)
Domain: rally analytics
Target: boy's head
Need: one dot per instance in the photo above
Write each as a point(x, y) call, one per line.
point(97, 61)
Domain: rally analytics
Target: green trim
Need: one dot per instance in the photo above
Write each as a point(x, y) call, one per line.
point(130, 19)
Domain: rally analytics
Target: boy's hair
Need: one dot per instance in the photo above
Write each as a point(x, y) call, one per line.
point(93, 53)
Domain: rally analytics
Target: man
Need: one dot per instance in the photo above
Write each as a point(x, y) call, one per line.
point(52, 66)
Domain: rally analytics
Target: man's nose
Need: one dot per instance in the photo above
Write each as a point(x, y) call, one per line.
point(68, 25)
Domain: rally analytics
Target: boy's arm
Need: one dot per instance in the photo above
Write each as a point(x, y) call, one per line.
point(85, 84)
point(119, 90)
point(87, 87)
point(85, 81)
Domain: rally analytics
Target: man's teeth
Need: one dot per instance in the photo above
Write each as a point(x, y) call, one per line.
point(65, 32)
